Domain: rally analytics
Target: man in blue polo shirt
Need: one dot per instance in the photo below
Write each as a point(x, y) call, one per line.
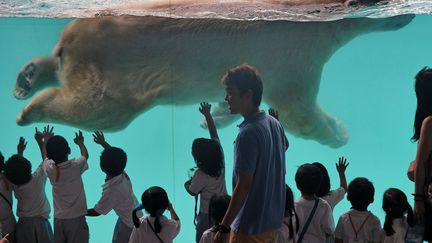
point(258, 200)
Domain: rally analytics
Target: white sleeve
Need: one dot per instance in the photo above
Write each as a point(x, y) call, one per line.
point(377, 234)
point(198, 182)
point(328, 221)
point(48, 167)
point(106, 203)
point(339, 231)
point(82, 163)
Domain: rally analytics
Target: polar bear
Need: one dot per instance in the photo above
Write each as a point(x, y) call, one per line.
point(106, 71)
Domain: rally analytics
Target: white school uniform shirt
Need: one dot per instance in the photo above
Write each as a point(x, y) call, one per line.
point(67, 187)
point(144, 234)
point(207, 186)
point(31, 197)
point(208, 236)
point(282, 234)
point(370, 231)
point(117, 194)
point(7, 219)
point(334, 197)
point(400, 226)
point(322, 223)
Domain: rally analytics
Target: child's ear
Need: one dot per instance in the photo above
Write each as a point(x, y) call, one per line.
point(69, 150)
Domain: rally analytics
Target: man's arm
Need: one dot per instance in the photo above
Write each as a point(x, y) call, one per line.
point(238, 199)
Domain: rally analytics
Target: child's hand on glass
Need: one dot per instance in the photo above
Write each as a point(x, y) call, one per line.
point(99, 138)
point(341, 165)
point(205, 108)
point(47, 133)
point(79, 138)
point(22, 144)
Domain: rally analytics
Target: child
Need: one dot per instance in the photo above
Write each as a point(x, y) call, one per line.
point(117, 191)
point(7, 218)
point(395, 205)
point(333, 197)
point(314, 213)
point(70, 205)
point(33, 207)
point(155, 228)
point(359, 224)
point(217, 209)
point(209, 179)
point(288, 231)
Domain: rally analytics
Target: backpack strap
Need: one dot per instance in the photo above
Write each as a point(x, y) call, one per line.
point(151, 227)
point(306, 226)
point(7, 201)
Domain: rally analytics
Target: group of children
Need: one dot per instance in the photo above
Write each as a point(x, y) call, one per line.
point(309, 219)
point(70, 204)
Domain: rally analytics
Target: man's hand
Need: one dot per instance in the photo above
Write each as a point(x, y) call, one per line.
point(22, 144)
point(274, 113)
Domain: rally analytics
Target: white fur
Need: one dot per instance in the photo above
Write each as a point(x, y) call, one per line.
point(114, 68)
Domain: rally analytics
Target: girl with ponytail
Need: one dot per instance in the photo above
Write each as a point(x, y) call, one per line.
point(396, 206)
point(155, 228)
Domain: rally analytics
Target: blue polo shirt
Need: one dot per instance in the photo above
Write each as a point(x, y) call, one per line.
point(260, 149)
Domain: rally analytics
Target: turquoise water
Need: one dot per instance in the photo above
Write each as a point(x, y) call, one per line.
point(367, 84)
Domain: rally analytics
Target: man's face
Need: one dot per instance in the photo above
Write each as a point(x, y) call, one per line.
point(234, 99)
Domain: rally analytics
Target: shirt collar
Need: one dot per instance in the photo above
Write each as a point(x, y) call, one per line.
point(257, 116)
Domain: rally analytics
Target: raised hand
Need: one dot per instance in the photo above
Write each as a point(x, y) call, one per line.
point(342, 165)
point(99, 138)
point(274, 113)
point(79, 138)
point(47, 133)
point(22, 144)
point(38, 136)
point(205, 108)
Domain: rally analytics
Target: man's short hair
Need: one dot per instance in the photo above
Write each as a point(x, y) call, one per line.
point(245, 77)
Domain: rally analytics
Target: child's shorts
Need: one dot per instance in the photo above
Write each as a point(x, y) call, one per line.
point(71, 230)
point(33, 230)
point(121, 232)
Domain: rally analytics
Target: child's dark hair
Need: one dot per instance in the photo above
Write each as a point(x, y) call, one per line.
point(18, 170)
point(155, 202)
point(208, 156)
point(324, 188)
point(2, 165)
point(57, 149)
point(308, 178)
point(360, 193)
point(113, 161)
point(395, 205)
point(290, 212)
point(218, 206)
